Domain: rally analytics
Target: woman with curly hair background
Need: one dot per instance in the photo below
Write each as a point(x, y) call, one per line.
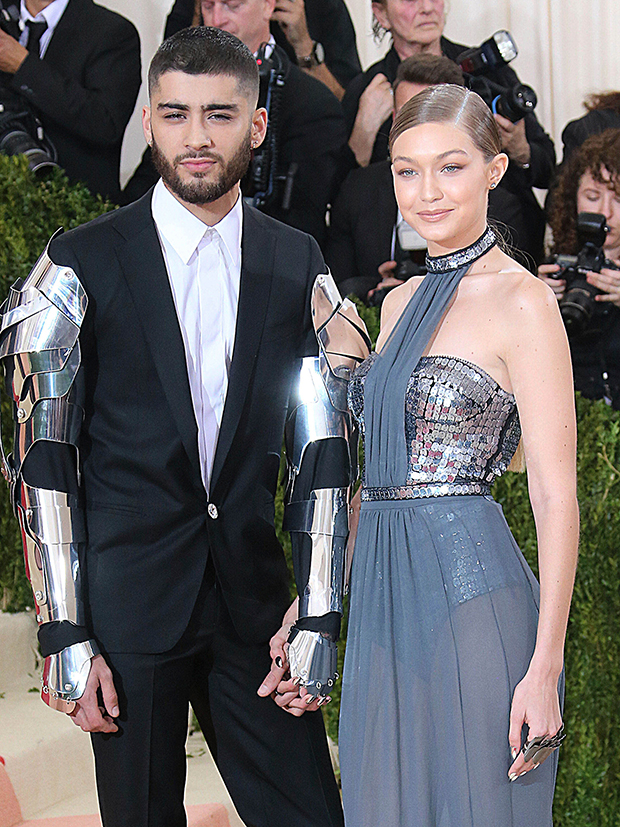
point(590, 182)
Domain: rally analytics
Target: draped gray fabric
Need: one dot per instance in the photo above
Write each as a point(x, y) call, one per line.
point(443, 614)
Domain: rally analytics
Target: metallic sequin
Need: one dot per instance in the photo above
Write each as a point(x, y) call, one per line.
point(443, 264)
point(461, 428)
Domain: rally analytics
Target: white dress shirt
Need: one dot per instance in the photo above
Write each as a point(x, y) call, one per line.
point(204, 268)
point(51, 15)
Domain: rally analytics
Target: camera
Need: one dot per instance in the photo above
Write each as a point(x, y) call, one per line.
point(513, 102)
point(21, 132)
point(578, 304)
point(265, 185)
point(410, 257)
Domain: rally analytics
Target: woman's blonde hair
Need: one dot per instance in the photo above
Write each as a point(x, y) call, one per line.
point(448, 103)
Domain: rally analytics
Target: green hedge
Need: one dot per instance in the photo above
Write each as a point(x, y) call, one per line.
point(588, 791)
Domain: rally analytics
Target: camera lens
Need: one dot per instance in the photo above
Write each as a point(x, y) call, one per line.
point(18, 142)
point(576, 307)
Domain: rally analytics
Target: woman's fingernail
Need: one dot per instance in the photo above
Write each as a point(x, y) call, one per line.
point(278, 662)
point(309, 699)
point(514, 752)
point(513, 776)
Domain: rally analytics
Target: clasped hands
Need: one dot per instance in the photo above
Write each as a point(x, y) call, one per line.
point(287, 692)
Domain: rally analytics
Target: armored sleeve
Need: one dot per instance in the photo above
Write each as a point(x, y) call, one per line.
point(321, 450)
point(40, 352)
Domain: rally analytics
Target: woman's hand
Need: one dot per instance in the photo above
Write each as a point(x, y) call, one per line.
point(278, 683)
point(535, 703)
point(557, 285)
point(609, 282)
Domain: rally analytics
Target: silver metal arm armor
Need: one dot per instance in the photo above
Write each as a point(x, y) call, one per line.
point(320, 414)
point(40, 351)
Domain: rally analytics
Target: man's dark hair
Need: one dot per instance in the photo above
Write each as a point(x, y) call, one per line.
point(202, 50)
point(429, 70)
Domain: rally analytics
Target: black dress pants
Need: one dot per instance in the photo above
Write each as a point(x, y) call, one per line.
point(276, 767)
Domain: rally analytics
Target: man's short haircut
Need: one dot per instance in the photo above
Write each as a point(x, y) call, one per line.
point(202, 50)
point(428, 70)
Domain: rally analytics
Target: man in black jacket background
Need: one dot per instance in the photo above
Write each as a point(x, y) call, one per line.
point(82, 81)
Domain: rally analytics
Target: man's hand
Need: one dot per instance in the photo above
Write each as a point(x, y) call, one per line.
point(291, 15)
point(514, 140)
point(285, 692)
point(88, 714)
point(12, 55)
point(375, 106)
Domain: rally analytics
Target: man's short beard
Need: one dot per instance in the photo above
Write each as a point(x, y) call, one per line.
point(198, 190)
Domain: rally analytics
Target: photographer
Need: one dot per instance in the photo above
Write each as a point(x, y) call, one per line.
point(590, 182)
point(317, 35)
point(76, 65)
point(367, 106)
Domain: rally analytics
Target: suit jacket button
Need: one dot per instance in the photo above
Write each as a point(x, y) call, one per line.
point(212, 511)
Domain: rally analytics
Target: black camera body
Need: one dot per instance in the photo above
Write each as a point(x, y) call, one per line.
point(578, 304)
point(21, 131)
point(513, 102)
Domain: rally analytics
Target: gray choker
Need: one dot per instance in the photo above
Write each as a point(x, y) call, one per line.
point(460, 258)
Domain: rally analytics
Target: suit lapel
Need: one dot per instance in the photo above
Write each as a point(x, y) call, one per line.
point(142, 262)
point(257, 261)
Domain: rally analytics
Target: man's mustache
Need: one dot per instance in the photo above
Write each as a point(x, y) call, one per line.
point(211, 156)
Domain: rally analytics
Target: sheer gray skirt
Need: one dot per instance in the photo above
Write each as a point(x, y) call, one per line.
point(442, 627)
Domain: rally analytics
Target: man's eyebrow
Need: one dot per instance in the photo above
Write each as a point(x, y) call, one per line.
point(206, 107)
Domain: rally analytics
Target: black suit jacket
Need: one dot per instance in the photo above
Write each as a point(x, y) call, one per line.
point(84, 89)
point(311, 134)
point(149, 531)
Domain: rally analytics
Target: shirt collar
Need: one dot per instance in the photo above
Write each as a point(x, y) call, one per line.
point(271, 45)
point(183, 231)
point(51, 14)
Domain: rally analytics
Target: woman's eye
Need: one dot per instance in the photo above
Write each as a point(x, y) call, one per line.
point(452, 168)
point(405, 173)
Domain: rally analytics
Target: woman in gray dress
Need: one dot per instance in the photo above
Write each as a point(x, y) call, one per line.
point(455, 653)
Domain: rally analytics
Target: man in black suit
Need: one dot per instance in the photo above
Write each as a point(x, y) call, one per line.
point(308, 124)
point(78, 65)
point(197, 313)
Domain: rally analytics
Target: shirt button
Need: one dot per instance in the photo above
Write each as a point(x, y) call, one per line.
point(212, 511)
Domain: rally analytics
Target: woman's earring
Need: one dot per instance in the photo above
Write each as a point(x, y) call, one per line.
point(492, 186)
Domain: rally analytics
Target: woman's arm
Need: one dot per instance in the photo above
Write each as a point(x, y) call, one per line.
point(538, 361)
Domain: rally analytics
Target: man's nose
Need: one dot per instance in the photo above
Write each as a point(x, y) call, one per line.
point(219, 16)
point(197, 135)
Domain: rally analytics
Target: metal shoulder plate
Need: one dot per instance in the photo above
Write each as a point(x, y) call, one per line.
point(39, 347)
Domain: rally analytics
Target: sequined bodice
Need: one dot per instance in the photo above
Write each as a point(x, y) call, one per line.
point(460, 425)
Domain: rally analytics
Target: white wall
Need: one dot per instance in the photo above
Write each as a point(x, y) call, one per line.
point(568, 48)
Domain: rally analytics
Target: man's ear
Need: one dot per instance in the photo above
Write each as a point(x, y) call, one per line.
point(259, 127)
point(146, 124)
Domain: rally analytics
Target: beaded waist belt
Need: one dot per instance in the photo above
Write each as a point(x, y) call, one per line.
point(421, 490)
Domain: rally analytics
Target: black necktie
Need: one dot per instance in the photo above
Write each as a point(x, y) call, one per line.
point(35, 33)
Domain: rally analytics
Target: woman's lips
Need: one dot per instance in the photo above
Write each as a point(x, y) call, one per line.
point(433, 215)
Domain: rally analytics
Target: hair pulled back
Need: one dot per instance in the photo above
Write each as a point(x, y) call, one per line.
point(448, 103)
